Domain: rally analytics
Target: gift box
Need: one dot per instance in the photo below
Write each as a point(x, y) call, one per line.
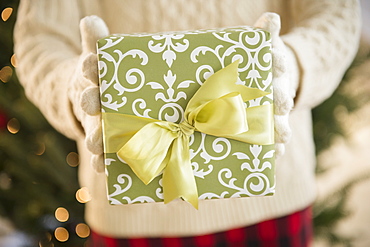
point(187, 115)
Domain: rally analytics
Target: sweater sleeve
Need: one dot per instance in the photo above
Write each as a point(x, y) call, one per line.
point(47, 46)
point(325, 39)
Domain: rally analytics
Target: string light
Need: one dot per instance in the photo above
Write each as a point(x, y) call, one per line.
point(13, 126)
point(13, 61)
point(72, 159)
point(83, 195)
point(61, 234)
point(6, 13)
point(82, 230)
point(6, 73)
point(61, 214)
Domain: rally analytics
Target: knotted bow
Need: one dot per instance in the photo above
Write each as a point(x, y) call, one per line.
point(151, 146)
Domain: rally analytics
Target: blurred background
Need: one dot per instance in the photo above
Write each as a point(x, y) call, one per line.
point(41, 203)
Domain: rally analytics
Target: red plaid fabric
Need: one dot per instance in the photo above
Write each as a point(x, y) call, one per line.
point(294, 230)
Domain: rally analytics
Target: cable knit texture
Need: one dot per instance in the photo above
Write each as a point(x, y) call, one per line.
point(322, 34)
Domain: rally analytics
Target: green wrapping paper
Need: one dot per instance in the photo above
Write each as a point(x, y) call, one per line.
point(155, 75)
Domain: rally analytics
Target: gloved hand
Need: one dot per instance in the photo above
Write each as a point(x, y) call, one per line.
point(285, 80)
point(84, 94)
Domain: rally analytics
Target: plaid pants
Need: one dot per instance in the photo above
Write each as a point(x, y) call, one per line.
point(294, 230)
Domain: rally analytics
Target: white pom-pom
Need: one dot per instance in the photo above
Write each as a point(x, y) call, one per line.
point(90, 101)
point(282, 129)
point(97, 162)
point(94, 138)
point(279, 150)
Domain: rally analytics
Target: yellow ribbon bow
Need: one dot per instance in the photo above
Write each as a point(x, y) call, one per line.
point(151, 146)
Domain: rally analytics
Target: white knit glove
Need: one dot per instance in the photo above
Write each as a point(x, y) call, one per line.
point(84, 93)
point(284, 80)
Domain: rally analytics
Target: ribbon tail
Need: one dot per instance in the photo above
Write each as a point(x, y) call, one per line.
point(146, 151)
point(178, 178)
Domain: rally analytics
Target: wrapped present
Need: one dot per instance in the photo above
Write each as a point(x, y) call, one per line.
point(187, 115)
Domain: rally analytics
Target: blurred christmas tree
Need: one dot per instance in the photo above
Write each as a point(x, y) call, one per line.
point(38, 174)
point(331, 119)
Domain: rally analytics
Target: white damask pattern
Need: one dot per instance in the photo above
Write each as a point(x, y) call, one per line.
point(240, 50)
point(134, 77)
point(168, 47)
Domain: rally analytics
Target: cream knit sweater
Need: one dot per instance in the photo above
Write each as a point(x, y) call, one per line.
point(323, 34)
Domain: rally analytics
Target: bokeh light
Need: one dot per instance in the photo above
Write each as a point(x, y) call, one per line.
point(46, 242)
point(48, 236)
point(6, 13)
point(61, 234)
point(13, 61)
point(40, 149)
point(6, 73)
point(72, 159)
point(82, 230)
point(61, 214)
point(83, 195)
point(5, 181)
point(13, 126)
